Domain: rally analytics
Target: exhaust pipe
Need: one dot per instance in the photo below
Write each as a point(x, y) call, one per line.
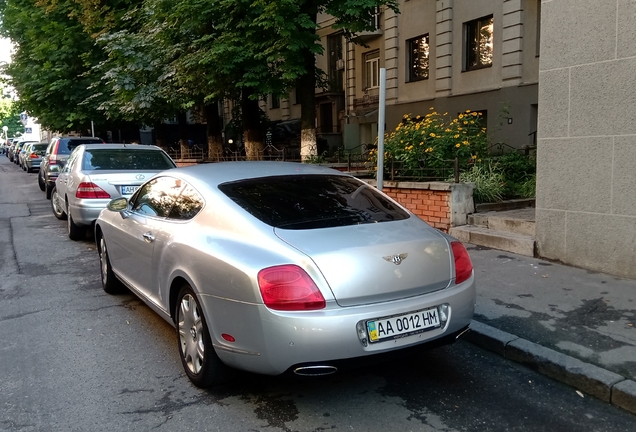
point(319, 370)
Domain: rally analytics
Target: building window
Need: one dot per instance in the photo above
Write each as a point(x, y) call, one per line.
point(418, 51)
point(479, 43)
point(335, 62)
point(375, 18)
point(372, 70)
point(275, 101)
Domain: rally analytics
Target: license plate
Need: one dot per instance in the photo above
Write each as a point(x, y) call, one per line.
point(128, 190)
point(400, 326)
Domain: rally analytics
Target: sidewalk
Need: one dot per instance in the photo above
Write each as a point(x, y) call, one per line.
point(574, 325)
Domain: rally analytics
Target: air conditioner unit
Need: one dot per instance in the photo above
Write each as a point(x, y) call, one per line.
point(340, 64)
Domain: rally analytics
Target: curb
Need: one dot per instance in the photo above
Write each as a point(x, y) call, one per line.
point(588, 378)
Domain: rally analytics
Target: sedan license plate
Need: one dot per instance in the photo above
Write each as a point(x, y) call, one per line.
point(399, 326)
point(128, 190)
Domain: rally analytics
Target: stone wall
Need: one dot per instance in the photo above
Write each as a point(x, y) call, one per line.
point(441, 205)
point(586, 180)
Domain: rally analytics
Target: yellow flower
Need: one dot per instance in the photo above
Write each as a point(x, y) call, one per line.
point(458, 145)
point(447, 130)
point(474, 156)
point(465, 143)
point(457, 136)
point(475, 113)
point(459, 128)
point(478, 160)
point(472, 122)
point(445, 113)
point(467, 111)
point(461, 116)
point(418, 117)
point(405, 116)
point(432, 135)
point(431, 108)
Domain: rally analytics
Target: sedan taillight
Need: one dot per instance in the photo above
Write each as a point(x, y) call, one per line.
point(463, 264)
point(288, 287)
point(89, 190)
point(34, 156)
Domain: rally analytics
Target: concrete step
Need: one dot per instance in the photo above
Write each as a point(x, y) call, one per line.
point(519, 221)
point(521, 244)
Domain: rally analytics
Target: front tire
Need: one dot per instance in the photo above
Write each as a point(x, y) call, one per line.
point(200, 361)
point(75, 232)
point(57, 205)
point(110, 283)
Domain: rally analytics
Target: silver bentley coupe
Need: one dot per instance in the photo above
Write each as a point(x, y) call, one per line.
point(272, 267)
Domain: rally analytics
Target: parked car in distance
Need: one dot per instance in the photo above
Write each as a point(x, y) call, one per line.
point(96, 173)
point(55, 157)
point(274, 266)
point(22, 153)
point(33, 156)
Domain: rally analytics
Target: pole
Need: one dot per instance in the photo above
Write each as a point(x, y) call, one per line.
point(92, 129)
point(381, 109)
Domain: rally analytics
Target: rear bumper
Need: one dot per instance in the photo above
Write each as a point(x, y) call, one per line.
point(273, 342)
point(85, 212)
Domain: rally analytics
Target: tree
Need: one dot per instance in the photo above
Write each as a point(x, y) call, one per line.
point(52, 63)
point(10, 117)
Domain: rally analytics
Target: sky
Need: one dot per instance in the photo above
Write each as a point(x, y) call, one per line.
point(5, 50)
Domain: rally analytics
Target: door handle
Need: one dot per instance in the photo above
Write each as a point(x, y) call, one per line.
point(148, 237)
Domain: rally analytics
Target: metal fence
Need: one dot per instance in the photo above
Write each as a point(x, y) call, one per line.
point(352, 160)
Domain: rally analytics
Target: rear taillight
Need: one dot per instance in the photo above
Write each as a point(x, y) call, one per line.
point(89, 190)
point(289, 288)
point(33, 156)
point(463, 264)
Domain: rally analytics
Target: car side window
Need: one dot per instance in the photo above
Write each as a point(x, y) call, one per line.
point(157, 197)
point(70, 163)
point(188, 204)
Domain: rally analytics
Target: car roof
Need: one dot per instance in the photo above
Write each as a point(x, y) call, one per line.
point(213, 174)
point(110, 146)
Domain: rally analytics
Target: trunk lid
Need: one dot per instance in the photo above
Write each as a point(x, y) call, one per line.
point(377, 262)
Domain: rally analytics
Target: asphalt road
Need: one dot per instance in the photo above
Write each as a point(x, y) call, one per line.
point(73, 358)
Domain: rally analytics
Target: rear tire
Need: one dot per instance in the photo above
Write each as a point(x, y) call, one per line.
point(200, 361)
point(57, 205)
point(110, 283)
point(48, 191)
point(75, 232)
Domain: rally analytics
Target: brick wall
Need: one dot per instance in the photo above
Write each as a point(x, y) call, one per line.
point(430, 205)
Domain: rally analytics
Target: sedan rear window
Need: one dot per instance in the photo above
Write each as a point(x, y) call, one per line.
point(126, 159)
point(312, 201)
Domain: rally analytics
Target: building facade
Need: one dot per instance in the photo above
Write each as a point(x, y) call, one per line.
point(586, 180)
point(449, 55)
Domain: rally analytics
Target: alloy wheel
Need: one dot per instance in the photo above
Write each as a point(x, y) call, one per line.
point(191, 333)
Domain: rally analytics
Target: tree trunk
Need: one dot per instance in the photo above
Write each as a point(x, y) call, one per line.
point(307, 88)
point(215, 139)
point(160, 136)
point(182, 119)
point(252, 134)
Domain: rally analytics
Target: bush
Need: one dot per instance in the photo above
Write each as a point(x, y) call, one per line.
point(489, 181)
point(433, 142)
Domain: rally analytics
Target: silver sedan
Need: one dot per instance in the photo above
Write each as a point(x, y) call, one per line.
point(272, 267)
point(96, 173)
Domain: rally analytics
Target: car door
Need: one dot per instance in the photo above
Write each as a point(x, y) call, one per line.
point(65, 176)
point(133, 241)
point(176, 225)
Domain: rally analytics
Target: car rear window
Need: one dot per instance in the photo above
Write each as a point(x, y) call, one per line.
point(126, 159)
point(66, 146)
point(39, 148)
point(312, 201)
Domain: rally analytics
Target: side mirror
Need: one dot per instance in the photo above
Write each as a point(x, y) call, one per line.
point(118, 204)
